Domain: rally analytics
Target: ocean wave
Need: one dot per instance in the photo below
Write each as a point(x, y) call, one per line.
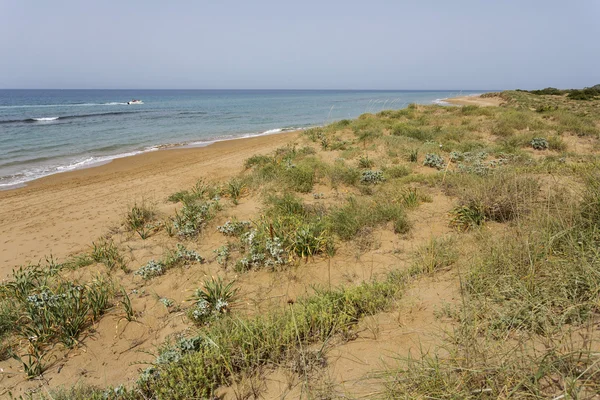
point(272, 131)
point(49, 119)
point(30, 174)
point(441, 102)
point(45, 119)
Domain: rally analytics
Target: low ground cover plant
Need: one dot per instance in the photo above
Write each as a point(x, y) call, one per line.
point(46, 309)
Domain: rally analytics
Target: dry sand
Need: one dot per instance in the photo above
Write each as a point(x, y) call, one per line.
point(475, 101)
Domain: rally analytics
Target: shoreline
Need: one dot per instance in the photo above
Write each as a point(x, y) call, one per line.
point(103, 161)
point(163, 154)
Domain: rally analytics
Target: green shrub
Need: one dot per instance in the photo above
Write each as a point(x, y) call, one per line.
point(434, 161)
point(437, 254)
point(539, 143)
point(299, 178)
point(309, 239)
point(193, 216)
point(372, 177)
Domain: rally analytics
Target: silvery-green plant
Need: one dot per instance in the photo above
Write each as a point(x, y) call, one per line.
point(234, 228)
point(434, 161)
point(223, 253)
point(539, 143)
point(372, 177)
point(152, 269)
point(212, 301)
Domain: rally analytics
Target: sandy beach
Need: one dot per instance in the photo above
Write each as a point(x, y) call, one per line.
point(475, 101)
point(63, 213)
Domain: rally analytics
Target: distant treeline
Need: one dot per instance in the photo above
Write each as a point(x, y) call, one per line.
point(588, 93)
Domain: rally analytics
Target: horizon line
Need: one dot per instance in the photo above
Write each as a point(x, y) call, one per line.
point(282, 89)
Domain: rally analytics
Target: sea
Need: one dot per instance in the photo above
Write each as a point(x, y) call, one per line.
point(44, 132)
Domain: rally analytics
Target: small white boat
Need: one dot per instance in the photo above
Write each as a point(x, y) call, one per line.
point(134, 101)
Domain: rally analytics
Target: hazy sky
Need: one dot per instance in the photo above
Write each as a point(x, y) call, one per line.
point(304, 44)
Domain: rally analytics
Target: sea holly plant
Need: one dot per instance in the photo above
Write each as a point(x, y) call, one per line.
point(234, 227)
point(372, 177)
point(212, 301)
point(434, 161)
point(152, 269)
point(223, 253)
point(267, 252)
point(539, 143)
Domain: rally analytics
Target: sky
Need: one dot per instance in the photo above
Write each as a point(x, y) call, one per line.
point(256, 44)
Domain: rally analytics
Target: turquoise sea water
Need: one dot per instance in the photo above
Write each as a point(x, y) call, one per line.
point(43, 132)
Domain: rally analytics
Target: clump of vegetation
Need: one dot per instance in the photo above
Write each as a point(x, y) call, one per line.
point(235, 189)
point(200, 191)
point(372, 177)
point(497, 197)
point(45, 309)
point(414, 132)
point(261, 251)
point(347, 221)
point(181, 256)
point(539, 143)
point(151, 269)
point(437, 254)
point(365, 162)
point(234, 227)
point(193, 216)
point(549, 91)
point(466, 217)
point(212, 301)
point(434, 161)
point(397, 171)
point(106, 252)
point(340, 173)
point(258, 161)
point(138, 219)
point(413, 155)
point(173, 258)
point(223, 253)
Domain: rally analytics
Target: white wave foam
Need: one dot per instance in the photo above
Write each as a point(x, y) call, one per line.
point(272, 131)
point(45, 119)
point(40, 172)
point(441, 102)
